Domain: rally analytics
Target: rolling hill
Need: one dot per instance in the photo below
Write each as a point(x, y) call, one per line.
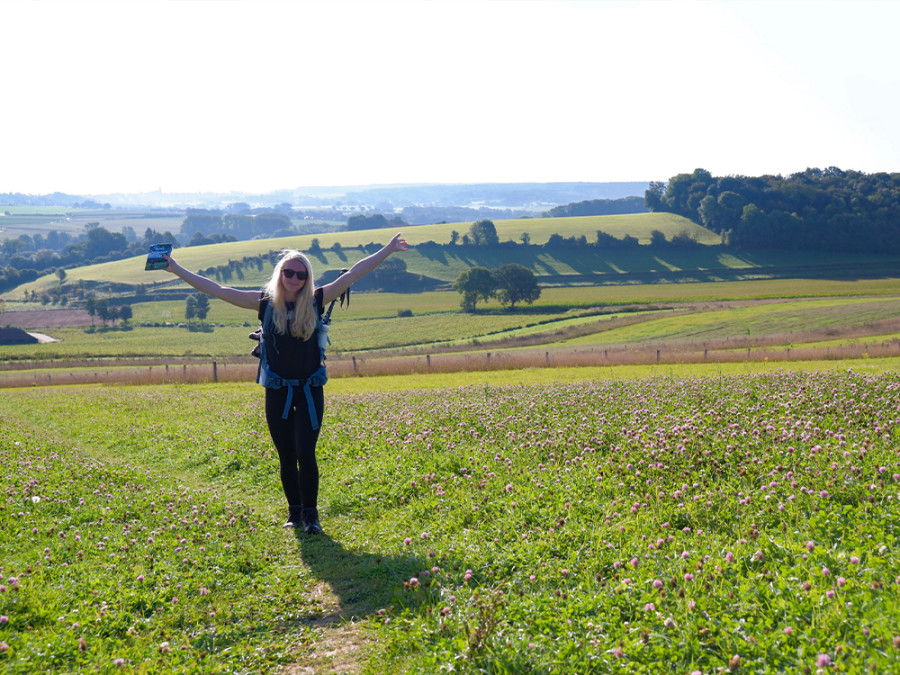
point(437, 265)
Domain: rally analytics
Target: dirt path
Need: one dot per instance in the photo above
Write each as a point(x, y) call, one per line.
point(340, 640)
point(350, 586)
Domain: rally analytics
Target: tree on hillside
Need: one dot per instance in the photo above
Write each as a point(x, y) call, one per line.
point(658, 239)
point(476, 283)
point(101, 242)
point(361, 221)
point(653, 196)
point(483, 233)
point(390, 274)
point(516, 283)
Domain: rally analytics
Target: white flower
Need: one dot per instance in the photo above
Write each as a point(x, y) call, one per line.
point(35, 499)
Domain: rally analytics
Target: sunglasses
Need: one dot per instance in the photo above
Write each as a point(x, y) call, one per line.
point(300, 274)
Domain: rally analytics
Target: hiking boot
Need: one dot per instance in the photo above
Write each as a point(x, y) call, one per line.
point(295, 517)
point(311, 521)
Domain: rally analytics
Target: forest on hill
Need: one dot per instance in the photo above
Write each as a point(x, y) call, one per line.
point(814, 210)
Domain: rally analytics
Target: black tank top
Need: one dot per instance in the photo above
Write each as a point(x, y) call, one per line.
point(288, 356)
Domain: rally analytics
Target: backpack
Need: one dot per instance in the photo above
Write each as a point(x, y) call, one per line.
point(271, 380)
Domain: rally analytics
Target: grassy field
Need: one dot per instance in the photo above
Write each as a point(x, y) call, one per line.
point(750, 314)
point(618, 521)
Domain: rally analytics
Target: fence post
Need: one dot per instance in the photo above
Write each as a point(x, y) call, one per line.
point(354, 364)
point(657, 356)
point(428, 360)
point(705, 354)
point(215, 373)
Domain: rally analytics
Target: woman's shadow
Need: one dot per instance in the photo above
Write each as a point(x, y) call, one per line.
point(362, 583)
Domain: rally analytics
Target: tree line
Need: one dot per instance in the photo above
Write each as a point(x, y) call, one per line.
point(29, 256)
point(813, 210)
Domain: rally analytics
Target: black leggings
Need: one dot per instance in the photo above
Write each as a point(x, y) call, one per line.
point(295, 440)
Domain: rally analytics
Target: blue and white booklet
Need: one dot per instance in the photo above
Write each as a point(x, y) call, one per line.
point(155, 259)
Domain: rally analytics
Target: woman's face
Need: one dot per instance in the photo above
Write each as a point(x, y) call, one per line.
point(293, 276)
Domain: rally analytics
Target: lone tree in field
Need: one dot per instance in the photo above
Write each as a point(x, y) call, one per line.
point(202, 308)
point(476, 283)
point(190, 307)
point(196, 306)
point(516, 283)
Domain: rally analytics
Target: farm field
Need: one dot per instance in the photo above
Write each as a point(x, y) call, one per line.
point(701, 518)
point(31, 220)
point(673, 319)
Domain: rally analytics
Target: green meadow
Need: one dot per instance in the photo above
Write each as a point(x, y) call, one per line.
point(729, 518)
point(737, 515)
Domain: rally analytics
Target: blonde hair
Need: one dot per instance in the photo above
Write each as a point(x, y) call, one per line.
point(303, 322)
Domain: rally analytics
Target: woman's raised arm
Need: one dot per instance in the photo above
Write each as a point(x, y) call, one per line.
point(234, 296)
point(333, 290)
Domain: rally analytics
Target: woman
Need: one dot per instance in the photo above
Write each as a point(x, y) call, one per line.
point(292, 352)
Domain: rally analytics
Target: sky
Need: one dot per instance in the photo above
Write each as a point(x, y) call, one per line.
point(127, 96)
